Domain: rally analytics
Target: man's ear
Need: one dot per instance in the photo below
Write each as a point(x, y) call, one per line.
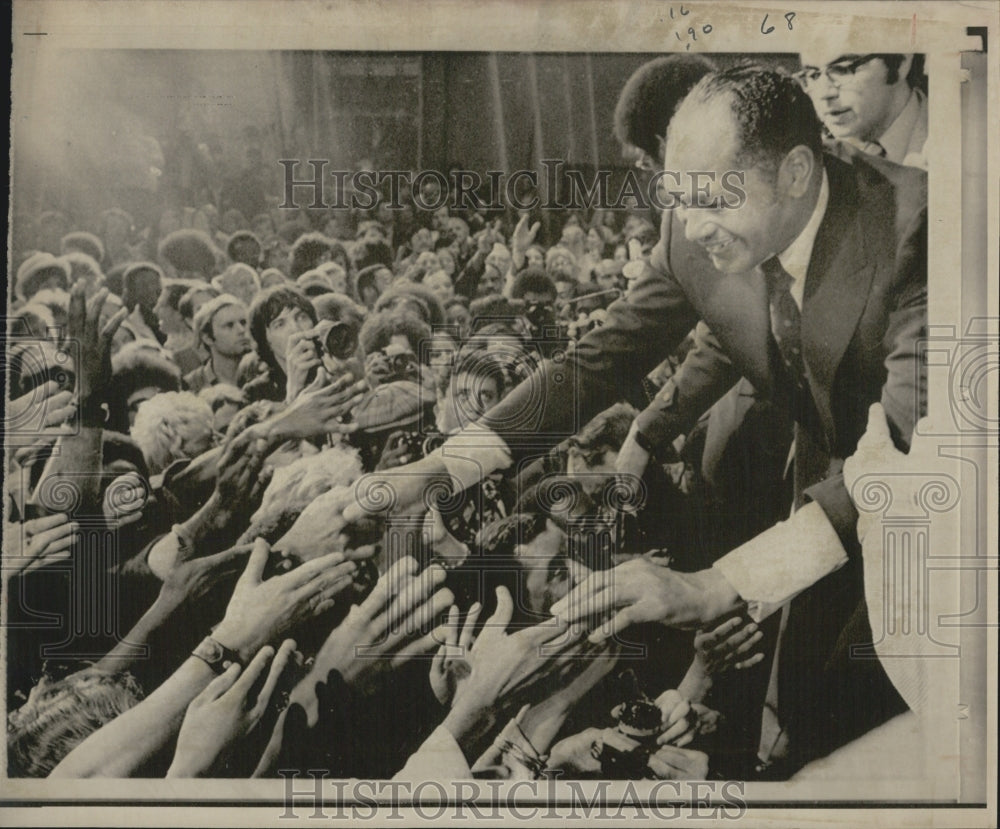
point(795, 172)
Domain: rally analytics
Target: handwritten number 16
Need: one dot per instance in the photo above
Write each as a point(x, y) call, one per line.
point(789, 17)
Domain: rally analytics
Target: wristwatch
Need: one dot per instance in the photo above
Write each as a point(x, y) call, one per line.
point(217, 656)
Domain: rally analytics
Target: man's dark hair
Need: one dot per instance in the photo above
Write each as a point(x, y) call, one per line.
point(372, 253)
point(266, 307)
point(649, 98)
point(534, 281)
point(381, 327)
point(188, 251)
point(244, 238)
point(772, 113)
point(307, 252)
point(131, 277)
point(424, 297)
point(186, 303)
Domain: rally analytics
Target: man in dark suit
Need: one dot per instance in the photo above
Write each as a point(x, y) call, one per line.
point(829, 256)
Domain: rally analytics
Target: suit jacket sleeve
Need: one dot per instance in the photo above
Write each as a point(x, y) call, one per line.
point(705, 376)
point(904, 392)
point(604, 367)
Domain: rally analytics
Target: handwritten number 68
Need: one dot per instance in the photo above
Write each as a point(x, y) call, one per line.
point(789, 17)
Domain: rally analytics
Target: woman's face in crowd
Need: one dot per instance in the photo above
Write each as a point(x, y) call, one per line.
point(168, 318)
point(440, 283)
point(282, 327)
point(534, 258)
point(459, 316)
point(594, 241)
point(447, 260)
point(621, 254)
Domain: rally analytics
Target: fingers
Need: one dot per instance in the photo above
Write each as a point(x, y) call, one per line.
point(95, 305)
point(449, 632)
point(712, 638)
point(749, 663)
point(111, 326)
point(677, 723)
point(55, 540)
point(77, 317)
point(614, 626)
point(469, 628)
point(386, 586)
point(413, 593)
point(218, 686)
point(253, 671)
point(497, 623)
point(228, 560)
point(46, 522)
point(316, 568)
point(254, 572)
point(281, 660)
point(421, 618)
point(582, 600)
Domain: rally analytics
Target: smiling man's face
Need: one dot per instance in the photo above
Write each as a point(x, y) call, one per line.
point(736, 238)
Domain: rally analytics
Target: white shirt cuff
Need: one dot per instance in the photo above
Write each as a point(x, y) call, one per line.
point(439, 758)
point(774, 567)
point(472, 454)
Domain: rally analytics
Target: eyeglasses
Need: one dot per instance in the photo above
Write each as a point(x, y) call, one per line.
point(837, 73)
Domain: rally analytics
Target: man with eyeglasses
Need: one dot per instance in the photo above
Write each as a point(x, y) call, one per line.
point(868, 102)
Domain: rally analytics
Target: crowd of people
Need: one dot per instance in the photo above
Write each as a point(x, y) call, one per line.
point(430, 496)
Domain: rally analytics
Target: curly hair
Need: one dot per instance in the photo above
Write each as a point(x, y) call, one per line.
point(167, 424)
point(649, 98)
point(266, 307)
point(61, 714)
point(307, 252)
point(771, 112)
point(382, 326)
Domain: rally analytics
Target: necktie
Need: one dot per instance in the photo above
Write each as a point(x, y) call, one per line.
point(786, 321)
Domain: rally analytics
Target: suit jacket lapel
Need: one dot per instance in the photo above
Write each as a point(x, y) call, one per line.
point(837, 286)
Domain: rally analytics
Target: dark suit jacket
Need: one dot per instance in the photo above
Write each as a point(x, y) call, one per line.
point(863, 314)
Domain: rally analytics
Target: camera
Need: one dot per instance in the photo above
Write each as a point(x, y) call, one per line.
point(335, 339)
point(626, 750)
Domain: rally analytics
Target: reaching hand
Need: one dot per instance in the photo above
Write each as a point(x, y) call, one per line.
point(240, 485)
point(190, 580)
point(502, 664)
point(387, 628)
point(300, 359)
point(678, 721)
point(40, 541)
point(93, 374)
point(449, 667)
point(730, 645)
point(259, 611)
point(317, 410)
point(125, 499)
point(673, 763)
point(523, 236)
point(644, 590)
point(41, 408)
point(224, 714)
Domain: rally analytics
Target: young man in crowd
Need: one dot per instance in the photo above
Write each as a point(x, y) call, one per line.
point(221, 327)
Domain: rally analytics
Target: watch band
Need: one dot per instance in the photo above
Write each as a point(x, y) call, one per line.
point(216, 655)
